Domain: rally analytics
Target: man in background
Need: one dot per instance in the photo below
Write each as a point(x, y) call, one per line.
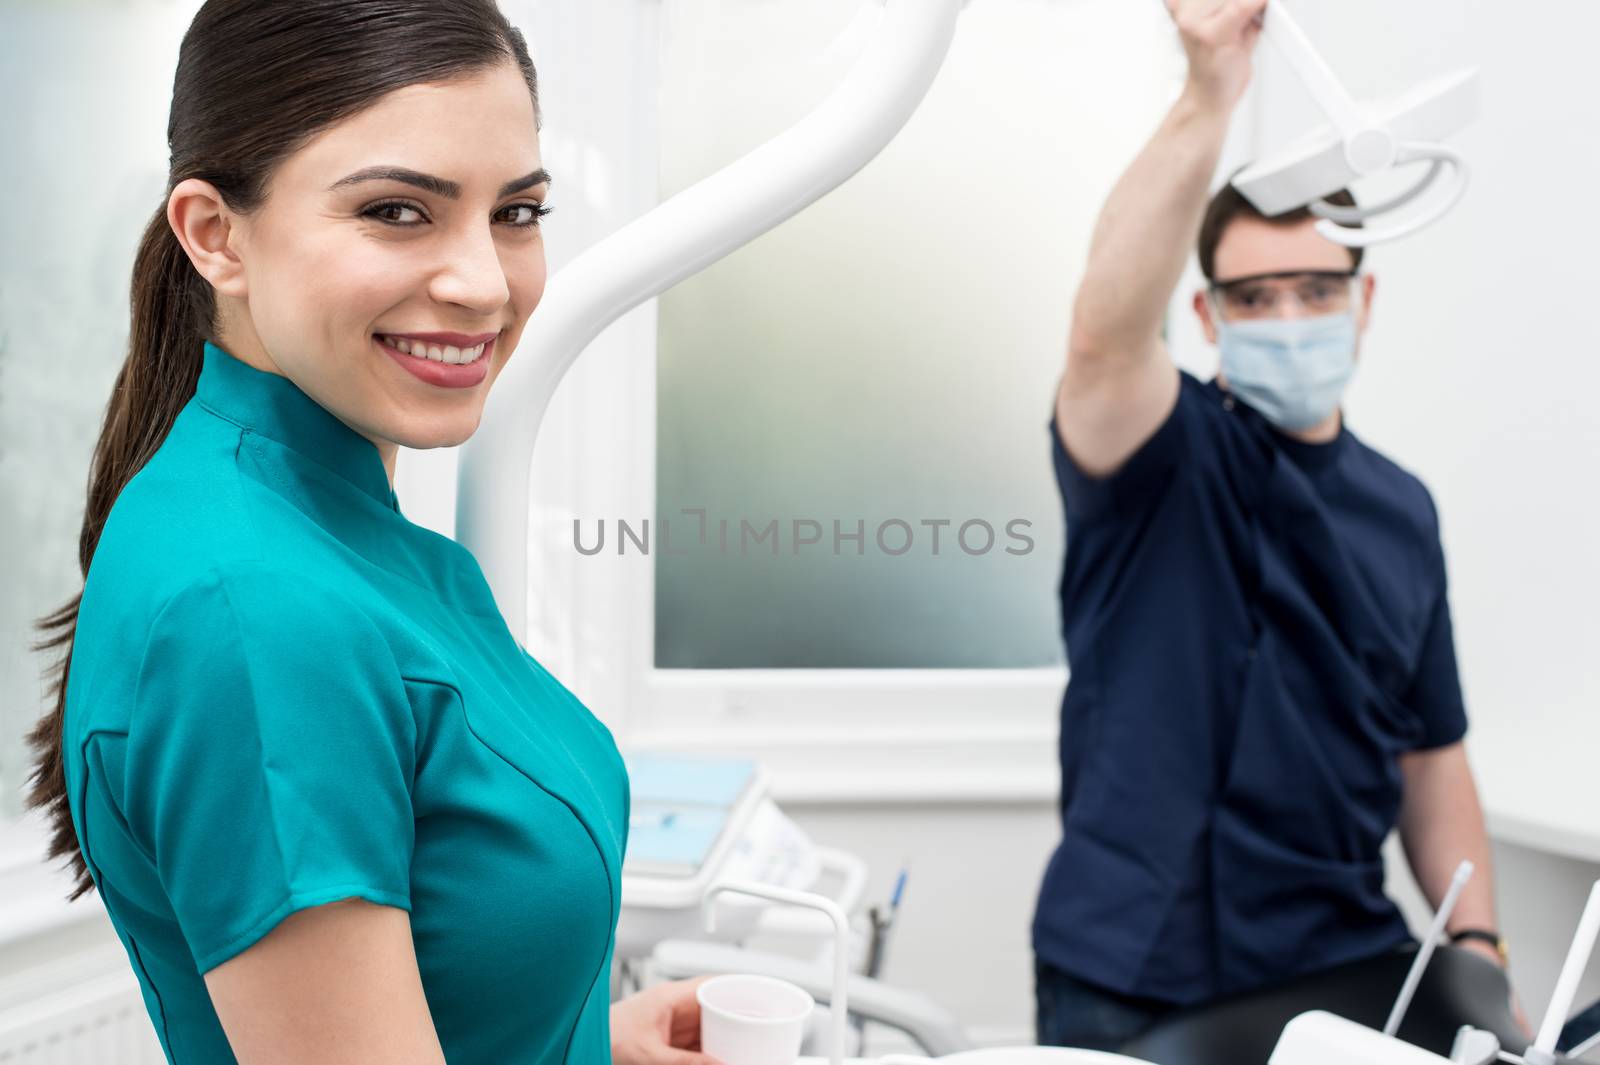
point(1263, 674)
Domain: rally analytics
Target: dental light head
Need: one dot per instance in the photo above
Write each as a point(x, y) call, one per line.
point(1362, 139)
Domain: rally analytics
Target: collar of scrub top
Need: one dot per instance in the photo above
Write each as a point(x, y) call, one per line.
point(275, 407)
point(1315, 459)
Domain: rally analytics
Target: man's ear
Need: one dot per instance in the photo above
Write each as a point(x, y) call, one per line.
point(1369, 286)
point(205, 227)
point(1202, 307)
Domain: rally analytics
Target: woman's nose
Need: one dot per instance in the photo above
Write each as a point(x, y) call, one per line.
point(473, 276)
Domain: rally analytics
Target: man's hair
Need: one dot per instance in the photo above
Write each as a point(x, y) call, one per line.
point(1229, 204)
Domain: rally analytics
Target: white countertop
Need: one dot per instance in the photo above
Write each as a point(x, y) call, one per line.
point(1539, 782)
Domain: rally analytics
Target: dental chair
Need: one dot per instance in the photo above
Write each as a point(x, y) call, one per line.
point(1458, 988)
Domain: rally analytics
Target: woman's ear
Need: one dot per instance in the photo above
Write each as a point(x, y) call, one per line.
point(205, 227)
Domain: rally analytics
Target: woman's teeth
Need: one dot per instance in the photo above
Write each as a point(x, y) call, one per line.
point(436, 352)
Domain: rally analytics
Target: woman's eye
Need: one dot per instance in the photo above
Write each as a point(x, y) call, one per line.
point(516, 215)
point(527, 213)
point(395, 213)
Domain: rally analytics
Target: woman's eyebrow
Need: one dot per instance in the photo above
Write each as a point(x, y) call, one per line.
point(436, 185)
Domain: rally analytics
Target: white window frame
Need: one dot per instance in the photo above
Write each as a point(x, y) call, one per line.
point(894, 735)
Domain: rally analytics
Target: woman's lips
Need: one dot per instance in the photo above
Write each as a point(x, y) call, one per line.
point(437, 372)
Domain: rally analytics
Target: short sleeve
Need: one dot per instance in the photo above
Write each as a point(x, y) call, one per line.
point(1145, 473)
point(269, 758)
point(1434, 694)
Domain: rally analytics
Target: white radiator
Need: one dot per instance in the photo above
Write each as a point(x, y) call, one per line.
point(97, 1022)
point(67, 993)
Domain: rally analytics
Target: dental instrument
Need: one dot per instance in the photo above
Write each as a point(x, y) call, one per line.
point(1364, 138)
point(1543, 1051)
point(882, 922)
point(1463, 873)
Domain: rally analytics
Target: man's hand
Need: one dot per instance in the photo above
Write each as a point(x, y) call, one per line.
point(1220, 37)
point(659, 1026)
point(1478, 946)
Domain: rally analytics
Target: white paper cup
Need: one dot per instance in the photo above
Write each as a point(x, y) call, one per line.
point(752, 1020)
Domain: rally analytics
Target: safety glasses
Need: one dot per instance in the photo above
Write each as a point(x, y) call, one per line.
point(1314, 292)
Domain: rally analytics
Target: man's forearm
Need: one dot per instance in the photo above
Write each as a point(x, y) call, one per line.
point(1145, 231)
point(1441, 822)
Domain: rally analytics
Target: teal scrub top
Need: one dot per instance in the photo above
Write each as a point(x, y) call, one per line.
point(284, 693)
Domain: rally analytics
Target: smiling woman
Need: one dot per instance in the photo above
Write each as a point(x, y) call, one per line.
point(438, 245)
point(335, 811)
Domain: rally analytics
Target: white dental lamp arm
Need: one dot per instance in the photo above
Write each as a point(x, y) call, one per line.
point(670, 243)
point(1544, 1045)
point(838, 1001)
point(1337, 221)
point(1279, 28)
point(1437, 157)
point(1366, 138)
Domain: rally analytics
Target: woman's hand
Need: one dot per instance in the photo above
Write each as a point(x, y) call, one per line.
point(659, 1026)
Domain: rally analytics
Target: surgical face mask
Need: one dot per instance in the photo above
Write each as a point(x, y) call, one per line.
point(1292, 370)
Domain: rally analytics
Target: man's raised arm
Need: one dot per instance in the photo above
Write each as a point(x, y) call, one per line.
point(1120, 384)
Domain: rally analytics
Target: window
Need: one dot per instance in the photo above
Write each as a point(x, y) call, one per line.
point(853, 466)
point(86, 137)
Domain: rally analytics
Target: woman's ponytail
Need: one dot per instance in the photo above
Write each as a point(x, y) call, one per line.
point(171, 305)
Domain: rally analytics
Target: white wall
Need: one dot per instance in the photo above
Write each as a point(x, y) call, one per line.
point(1479, 371)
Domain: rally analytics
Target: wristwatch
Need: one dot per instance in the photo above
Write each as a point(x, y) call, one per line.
point(1494, 939)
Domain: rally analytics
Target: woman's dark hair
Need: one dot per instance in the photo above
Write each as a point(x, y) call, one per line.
point(256, 80)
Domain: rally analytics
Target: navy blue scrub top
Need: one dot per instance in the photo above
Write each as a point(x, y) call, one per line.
point(284, 693)
point(1256, 628)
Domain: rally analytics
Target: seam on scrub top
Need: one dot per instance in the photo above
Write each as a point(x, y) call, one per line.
point(93, 735)
point(566, 695)
point(252, 438)
point(235, 616)
point(238, 445)
point(258, 450)
point(133, 942)
point(251, 430)
point(611, 894)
